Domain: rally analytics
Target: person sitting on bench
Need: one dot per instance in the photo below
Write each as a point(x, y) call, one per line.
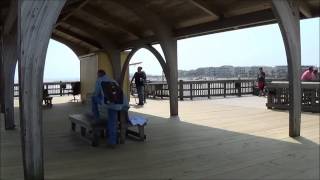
point(106, 91)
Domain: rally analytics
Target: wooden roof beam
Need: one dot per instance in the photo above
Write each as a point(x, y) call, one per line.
point(227, 24)
point(101, 37)
point(305, 9)
point(246, 20)
point(161, 28)
point(69, 14)
point(246, 6)
point(116, 22)
point(76, 48)
point(204, 6)
point(85, 40)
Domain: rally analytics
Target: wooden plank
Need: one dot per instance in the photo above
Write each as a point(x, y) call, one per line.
point(34, 35)
point(288, 17)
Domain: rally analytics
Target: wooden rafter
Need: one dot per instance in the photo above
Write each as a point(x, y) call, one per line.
point(77, 48)
point(115, 22)
point(89, 29)
point(89, 42)
point(246, 20)
point(305, 9)
point(204, 6)
point(71, 12)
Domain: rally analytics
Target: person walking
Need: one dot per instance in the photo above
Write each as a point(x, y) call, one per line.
point(139, 79)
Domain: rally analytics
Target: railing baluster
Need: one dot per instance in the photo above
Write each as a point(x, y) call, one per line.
point(181, 89)
point(208, 90)
point(191, 91)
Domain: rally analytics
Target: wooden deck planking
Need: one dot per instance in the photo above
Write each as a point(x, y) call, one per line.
point(212, 141)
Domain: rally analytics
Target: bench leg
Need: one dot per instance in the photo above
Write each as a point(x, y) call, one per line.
point(95, 138)
point(102, 133)
point(141, 133)
point(73, 126)
point(123, 126)
point(83, 131)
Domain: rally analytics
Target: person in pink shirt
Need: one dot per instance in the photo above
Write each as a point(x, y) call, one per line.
point(308, 75)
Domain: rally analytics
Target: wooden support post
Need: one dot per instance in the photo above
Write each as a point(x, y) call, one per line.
point(116, 64)
point(224, 89)
point(208, 90)
point(287, 12)
point(169, 47)
point(123, 126)
point(191, 91)
point(9, 66)
point(1, 77)
point(35, 23)
point(168, 44)
point(181, 89)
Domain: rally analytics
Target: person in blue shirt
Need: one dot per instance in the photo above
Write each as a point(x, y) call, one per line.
point(98, 100)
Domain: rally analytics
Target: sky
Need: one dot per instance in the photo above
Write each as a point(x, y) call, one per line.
point(257, 46)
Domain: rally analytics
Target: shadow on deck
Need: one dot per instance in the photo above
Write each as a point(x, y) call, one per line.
point(206, 143)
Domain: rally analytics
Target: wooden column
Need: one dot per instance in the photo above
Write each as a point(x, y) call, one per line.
point(9, 66)
point(169, 47)
point(1, 77)
point(168, 44)
point(287, 12)
point(35, 25)
point(116, 64)
point(181, 90)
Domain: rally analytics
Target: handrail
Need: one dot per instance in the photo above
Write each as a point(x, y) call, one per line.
point(54, 88)
point(194, 89)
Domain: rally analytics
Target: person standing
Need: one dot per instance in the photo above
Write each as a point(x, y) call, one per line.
point(98, 100)
point(139, 79)
point(261, 81)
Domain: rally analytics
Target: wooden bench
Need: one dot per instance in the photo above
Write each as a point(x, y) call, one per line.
point(47, 101)
point(125, 129)
point(88, 128)
point(136, 134)
point(92, 131)
point(46, 98)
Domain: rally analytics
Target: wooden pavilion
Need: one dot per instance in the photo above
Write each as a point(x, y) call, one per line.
point(112, 26)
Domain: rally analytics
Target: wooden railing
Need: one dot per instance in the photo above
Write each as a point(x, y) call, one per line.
point(194, 89)
point(54, 88)
point(278, 96)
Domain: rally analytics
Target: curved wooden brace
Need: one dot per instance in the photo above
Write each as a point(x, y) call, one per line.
point(287, 12)
point(9, 40)
point(153, 51)
point(36, 20)
point(167, 42)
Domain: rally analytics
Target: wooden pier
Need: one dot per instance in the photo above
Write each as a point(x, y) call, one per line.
point(221, 138)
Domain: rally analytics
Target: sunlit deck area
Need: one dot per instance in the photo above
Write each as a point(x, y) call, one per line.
point(220, 138)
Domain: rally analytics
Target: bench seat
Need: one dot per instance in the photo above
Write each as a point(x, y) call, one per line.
point(88, 128)
point(91, 130)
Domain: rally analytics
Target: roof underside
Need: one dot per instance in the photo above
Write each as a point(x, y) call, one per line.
point(87, 25)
